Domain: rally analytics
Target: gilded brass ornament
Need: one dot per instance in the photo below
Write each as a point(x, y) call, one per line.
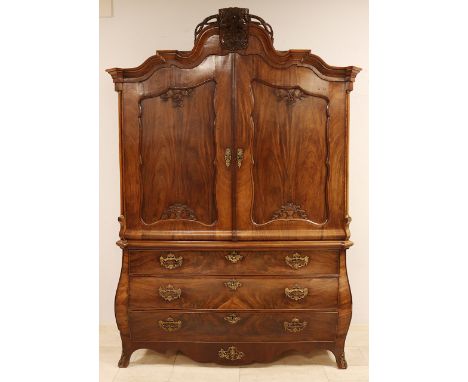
point(170, 325)
point(232, 354)
point(296, 293)
point(169, 292)
point(171, 261)
point(296, 261)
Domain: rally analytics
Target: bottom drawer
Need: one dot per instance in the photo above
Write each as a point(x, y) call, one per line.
point(169, 325)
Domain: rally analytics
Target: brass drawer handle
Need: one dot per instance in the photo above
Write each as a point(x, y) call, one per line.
point(232, 318)
point(232, 354)
point(234, 257)
point(295, 325)
point(170, 293)
point(171, 261)
point(227, 157)
point(296, 261)
point(296, 293)
point(233, 284)
point(240, 157)
point(170, 325)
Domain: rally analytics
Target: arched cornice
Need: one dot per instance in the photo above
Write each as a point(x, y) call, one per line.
point(215, 36)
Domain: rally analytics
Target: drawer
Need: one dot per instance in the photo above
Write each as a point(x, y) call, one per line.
point(152, 262)
point(232, 326)
point(240, 293)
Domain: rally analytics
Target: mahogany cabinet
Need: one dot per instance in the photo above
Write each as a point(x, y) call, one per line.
point(234, 198)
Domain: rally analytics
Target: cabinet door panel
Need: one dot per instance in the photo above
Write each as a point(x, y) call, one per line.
point(176, 127)
point(178, 155)
point(291, 125)
point(290, 151)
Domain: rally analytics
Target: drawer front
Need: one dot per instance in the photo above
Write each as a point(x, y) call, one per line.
point(234, 262)
point(232, 326)
point(239, 293)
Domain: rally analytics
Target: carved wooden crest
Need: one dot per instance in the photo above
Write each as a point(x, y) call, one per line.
point(234, 28)
point(233, 24)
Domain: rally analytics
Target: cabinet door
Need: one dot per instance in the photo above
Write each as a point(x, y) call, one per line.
point(184, 186)
point(291, 128)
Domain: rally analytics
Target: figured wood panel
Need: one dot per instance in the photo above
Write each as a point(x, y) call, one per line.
point(212, 293)
point(290, 154)
point(233, 326)
point(264, 262)
point(178, 154)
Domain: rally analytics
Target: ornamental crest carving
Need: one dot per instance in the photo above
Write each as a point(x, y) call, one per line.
point(234, 28)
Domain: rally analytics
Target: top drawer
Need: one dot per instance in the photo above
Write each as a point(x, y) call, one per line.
point(155, 262)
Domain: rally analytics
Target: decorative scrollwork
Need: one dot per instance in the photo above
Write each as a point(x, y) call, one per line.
point(234, 257)
point(233, 24)
point(232, 354)
point(290, 95)
point(290, 211)
point(296, 261)
point(171, 261)
point(170, 293)
point(232, 318)
point(178, 211)
point(170, 325)
point(176, 95)
point(233, 284)
point(294, 326)
point(296, 293)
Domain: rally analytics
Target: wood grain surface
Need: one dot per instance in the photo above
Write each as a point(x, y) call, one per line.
point(213, 327)
point(210, 292)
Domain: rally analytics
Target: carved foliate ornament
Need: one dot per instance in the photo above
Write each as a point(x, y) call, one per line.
point(177, 96)
point(289, 211)
point(234, 28)
point(179, 212)
point(290, 95)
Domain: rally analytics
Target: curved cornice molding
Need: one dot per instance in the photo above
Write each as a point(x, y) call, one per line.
point(206, 46)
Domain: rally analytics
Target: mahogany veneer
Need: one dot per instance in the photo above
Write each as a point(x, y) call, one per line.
point(234, 198)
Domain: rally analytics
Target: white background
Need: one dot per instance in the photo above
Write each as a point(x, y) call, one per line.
point(336, 31)
point(50, 185)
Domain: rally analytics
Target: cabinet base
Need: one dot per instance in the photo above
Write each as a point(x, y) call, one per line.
point(234, 354)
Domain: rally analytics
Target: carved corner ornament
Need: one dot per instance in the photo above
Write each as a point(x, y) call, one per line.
point(290, 211)
point(290, 95)
point(178, 212)
point(176, 95)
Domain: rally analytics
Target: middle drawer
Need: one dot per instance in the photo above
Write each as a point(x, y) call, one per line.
point(240, 293)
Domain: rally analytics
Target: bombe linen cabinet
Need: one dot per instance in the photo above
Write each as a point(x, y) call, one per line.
point(234, 218)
